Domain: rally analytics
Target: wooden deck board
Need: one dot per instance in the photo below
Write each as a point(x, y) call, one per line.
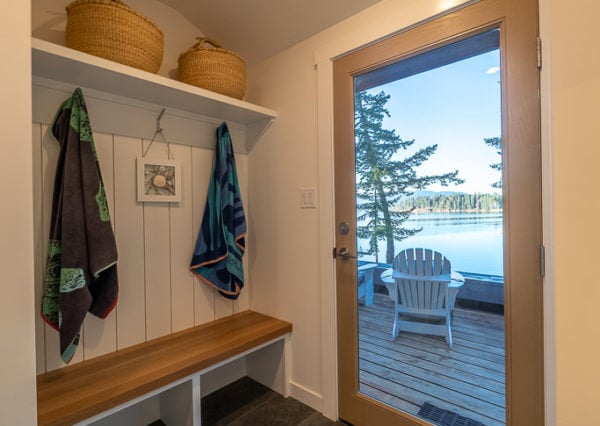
point(399, 361)
point(429, 347)
point(414, 368)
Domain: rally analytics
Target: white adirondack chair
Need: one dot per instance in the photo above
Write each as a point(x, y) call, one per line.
point(420, 293)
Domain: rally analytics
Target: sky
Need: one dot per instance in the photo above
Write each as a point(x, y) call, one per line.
point(455, 106)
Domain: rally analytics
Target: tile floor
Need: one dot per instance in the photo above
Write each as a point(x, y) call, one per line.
point(248, 403)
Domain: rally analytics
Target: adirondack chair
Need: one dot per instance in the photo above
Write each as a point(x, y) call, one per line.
point(421, 280)
point(365, 282)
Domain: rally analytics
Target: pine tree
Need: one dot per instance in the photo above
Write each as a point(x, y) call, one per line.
point(382, 179)
point(496, 143)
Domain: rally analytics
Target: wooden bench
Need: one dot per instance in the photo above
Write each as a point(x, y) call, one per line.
point(98, 387)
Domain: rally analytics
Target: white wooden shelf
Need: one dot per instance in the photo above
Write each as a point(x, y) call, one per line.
point(61, 64)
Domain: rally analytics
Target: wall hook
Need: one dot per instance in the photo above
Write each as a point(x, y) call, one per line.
point(158, 127)
point(159, 131)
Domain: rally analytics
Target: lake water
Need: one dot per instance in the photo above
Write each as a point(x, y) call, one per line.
point(471, 241)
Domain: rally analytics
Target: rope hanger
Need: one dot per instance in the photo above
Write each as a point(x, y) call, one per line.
point(159, 132)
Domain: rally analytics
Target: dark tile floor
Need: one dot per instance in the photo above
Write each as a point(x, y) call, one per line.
point(248, 403)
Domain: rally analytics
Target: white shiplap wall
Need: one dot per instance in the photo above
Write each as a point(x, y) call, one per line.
point(158, 294)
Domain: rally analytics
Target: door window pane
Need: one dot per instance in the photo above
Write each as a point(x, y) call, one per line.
point(428, 155)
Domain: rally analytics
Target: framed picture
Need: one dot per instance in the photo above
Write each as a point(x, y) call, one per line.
point(158, 180)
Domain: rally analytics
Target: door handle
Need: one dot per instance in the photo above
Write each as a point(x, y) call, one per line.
point(344, 253)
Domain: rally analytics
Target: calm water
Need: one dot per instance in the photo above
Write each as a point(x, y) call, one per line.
point(471, 241)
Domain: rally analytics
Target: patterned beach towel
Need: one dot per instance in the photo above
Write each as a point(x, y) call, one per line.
point(81, 271)
point(217, 258)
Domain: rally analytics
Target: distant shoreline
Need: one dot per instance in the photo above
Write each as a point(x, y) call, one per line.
point(423, 211)
point(451, 203)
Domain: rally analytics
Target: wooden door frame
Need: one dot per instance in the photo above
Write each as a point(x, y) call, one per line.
point(522, 159)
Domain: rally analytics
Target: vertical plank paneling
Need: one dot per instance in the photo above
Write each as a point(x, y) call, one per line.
point(204, 296)
point(157, 260)
point(182, 279)
point(129, 232)
point(243, 302)
point(223, 306)
point(50, 151)
point(101, 334)
point(158, 294)
point(38, 219)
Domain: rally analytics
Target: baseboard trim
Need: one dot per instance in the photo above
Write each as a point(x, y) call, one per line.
point(307, 396)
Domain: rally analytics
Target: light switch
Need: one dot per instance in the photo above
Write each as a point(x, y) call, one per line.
point(307, 198)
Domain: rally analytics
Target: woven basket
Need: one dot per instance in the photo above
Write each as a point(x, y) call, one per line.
point(213, 68)
point(112, 30)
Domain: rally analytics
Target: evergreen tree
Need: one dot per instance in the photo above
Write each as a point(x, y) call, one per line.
point(382, 179)
point(496, 143)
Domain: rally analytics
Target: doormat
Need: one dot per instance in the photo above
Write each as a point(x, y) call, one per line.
point(443, 417)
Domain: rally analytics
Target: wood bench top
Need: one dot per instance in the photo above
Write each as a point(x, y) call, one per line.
point(74, 393)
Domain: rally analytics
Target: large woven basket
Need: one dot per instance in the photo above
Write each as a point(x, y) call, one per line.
point(112, 30)
point(211, 67)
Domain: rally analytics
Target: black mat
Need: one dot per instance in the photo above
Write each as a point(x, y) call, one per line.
point(443, 417)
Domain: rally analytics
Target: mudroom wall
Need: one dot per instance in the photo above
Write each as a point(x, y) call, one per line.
point(158, 294)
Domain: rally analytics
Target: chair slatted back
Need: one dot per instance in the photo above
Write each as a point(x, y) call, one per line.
point(422, 277)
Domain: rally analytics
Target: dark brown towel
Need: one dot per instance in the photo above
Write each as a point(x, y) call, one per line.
point(81, 272)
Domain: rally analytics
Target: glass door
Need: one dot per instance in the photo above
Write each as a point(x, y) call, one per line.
point(428, 159)
point(439, 223)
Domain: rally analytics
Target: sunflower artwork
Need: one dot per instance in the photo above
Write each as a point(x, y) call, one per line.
point(158, 180)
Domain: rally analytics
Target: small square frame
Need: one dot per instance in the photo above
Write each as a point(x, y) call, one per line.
point(158, 180)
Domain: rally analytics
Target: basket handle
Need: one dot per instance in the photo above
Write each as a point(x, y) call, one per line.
point(202, 41)
point(102, 2)
point(120, 3)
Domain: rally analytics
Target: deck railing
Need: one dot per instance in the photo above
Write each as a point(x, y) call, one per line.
point(480, 291)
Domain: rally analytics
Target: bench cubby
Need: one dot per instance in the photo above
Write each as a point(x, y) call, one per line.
point(165, 373)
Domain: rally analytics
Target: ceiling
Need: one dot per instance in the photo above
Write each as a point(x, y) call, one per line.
point(258, 29)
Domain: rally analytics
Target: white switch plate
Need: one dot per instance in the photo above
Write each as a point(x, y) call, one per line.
point(308, 199)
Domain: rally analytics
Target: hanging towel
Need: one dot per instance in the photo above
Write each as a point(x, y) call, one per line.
point(81, 272)
point(217, 258)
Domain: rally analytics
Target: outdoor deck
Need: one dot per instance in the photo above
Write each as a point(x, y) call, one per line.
point(413, 369)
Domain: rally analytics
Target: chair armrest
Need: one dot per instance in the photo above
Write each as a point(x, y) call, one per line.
point(457, 276)
point(437, 278)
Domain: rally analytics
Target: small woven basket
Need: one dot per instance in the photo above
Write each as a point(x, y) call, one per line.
point(213, 68)
point(112, 30)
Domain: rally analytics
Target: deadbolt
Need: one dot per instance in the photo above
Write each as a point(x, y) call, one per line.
point(344, 228)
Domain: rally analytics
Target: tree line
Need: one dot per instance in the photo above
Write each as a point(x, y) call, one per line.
point(458, 202)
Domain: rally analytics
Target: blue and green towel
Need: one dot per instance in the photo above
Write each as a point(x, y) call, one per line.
point(217, 258)
point(81, 271)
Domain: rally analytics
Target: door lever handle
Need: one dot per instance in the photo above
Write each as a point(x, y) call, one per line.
point(344, 254)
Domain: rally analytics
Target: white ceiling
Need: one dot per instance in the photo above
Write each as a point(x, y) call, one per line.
point(258, 29)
